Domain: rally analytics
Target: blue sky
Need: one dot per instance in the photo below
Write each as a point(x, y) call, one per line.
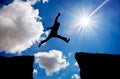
point(106, 37)
point(102, 36)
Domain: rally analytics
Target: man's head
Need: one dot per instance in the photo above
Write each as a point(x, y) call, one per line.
point(58, 14)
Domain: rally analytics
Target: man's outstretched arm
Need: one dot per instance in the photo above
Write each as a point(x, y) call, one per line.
point(56, 19)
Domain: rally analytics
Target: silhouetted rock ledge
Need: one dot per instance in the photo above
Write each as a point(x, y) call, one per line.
point(20, 67)
point(98, 66)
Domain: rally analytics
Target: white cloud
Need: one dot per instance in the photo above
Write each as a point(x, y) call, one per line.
point(35, 71)
point(32, 2)
point(19, 26)
point(47, 33)
point(51, 61)
point(76, 64)
point(70, 54)
point(45, 1)
point(75, 76)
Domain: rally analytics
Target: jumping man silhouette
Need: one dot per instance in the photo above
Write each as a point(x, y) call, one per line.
point(54, 32)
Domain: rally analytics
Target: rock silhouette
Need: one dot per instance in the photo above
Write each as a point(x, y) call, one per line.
point(98, 66)
point(20, 67)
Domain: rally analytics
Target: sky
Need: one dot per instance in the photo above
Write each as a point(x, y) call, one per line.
point(91, 25)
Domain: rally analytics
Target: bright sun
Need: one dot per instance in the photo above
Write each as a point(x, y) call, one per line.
point(85, 21)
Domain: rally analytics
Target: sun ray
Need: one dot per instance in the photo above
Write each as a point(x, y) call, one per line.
point(100, 6)
point(86, 19)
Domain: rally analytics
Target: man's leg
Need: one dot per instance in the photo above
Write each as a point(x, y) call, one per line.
point(62, 38)
point(44, 41)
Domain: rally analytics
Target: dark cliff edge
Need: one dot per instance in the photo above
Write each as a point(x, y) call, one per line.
point(20, 67)
point(98, 66)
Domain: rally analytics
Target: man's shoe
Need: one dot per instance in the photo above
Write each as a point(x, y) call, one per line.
point(68, 40)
